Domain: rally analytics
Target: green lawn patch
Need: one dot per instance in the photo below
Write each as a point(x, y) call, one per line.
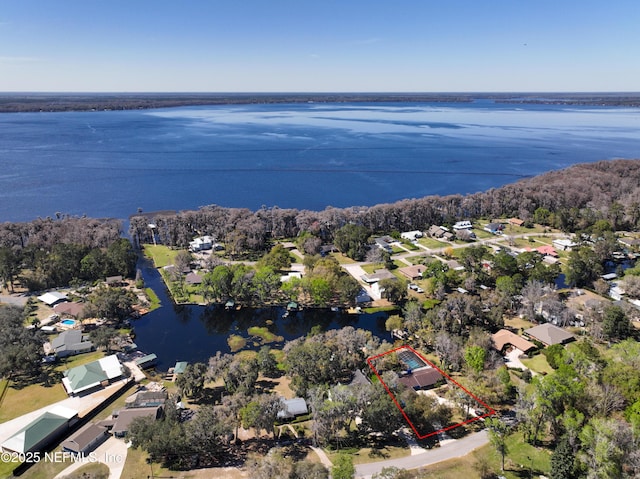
point(21, 401)
point(342, 259)
point(379, 309)
point(96, 470)
point(264, 334)
point(154, 301)
point(522, 461)
point(236, 343)
point(161, 255)
point(432, 243)
point(538, 363)
point(482, 234)
point(367, 454)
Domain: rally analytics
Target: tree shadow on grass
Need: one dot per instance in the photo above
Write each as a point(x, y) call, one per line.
point(210, 396)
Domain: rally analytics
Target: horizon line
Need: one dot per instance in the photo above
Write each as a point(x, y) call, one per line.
point(301, 92)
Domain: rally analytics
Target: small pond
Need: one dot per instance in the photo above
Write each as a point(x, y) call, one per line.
point(195, 333)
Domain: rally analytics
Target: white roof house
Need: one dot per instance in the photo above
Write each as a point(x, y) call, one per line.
point(412, 235)
point(52, 297)
point(564, 244)
point(201, 243)
point(463, 225)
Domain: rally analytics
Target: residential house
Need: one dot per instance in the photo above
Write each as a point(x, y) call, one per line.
point(505, 338)
point(548, 334)
point(193, 278)
point(515, 221)
point(114, 281)
point(292, 408)
point(564, 244)
point(435, 231)
point(377, 276)
point(125, 417)
point(384, 243)
point(92, 376)
point(52, 298)
point(423, 378)
point(201, 244)
point(145, 398)
point(411, 235)
point(69, 343)
point(413, 272)
point(68, 309)
point(494, 228)
point(86, 439)
point(463, 225)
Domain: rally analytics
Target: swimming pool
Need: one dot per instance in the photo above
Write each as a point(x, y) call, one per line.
point(410, 359)
point(68, 322)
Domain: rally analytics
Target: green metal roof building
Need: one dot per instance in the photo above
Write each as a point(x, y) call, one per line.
point(43, 430)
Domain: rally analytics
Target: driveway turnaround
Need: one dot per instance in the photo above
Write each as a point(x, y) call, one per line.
point(451, 450)
point(112, 452)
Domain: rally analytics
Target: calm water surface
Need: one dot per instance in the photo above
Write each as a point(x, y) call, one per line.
point(195, 333)
point(306, 156)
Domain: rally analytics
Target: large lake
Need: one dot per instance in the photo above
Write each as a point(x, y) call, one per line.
point(305, 156)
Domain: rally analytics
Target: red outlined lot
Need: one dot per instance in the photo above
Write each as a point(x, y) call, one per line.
point(490, 411)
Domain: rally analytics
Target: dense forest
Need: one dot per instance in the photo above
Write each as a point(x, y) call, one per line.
point(573, 199)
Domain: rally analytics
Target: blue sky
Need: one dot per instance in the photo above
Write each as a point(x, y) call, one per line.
point(321, 45)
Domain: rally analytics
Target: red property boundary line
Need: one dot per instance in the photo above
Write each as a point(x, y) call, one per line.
point(424, 436)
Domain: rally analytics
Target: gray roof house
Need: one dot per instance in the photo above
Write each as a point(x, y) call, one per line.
point(292, 408)
point(87, 438)
point(125, 417)
point(548, 334)
point(70, 342)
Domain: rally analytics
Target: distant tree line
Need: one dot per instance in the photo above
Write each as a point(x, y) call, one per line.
point(593, 195)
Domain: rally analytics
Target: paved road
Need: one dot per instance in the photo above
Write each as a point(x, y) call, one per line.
point(451, 450)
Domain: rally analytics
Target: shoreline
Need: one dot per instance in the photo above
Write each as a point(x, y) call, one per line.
point(78, 102)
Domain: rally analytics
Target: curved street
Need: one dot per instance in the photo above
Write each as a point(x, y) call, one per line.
point(451, 450)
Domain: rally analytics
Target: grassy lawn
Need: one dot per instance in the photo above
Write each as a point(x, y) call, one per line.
point(482, 234)
point(518, 323)
point(96, 470)
point(342, 259)
point(6, 468)
point(161, 255)
point(432, 243)
point(29, 398)
point(154, 301)
point(521, 459)
point(538, 363)
point(136, 467)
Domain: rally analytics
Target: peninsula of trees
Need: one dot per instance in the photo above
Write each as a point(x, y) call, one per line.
point(25, 102)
